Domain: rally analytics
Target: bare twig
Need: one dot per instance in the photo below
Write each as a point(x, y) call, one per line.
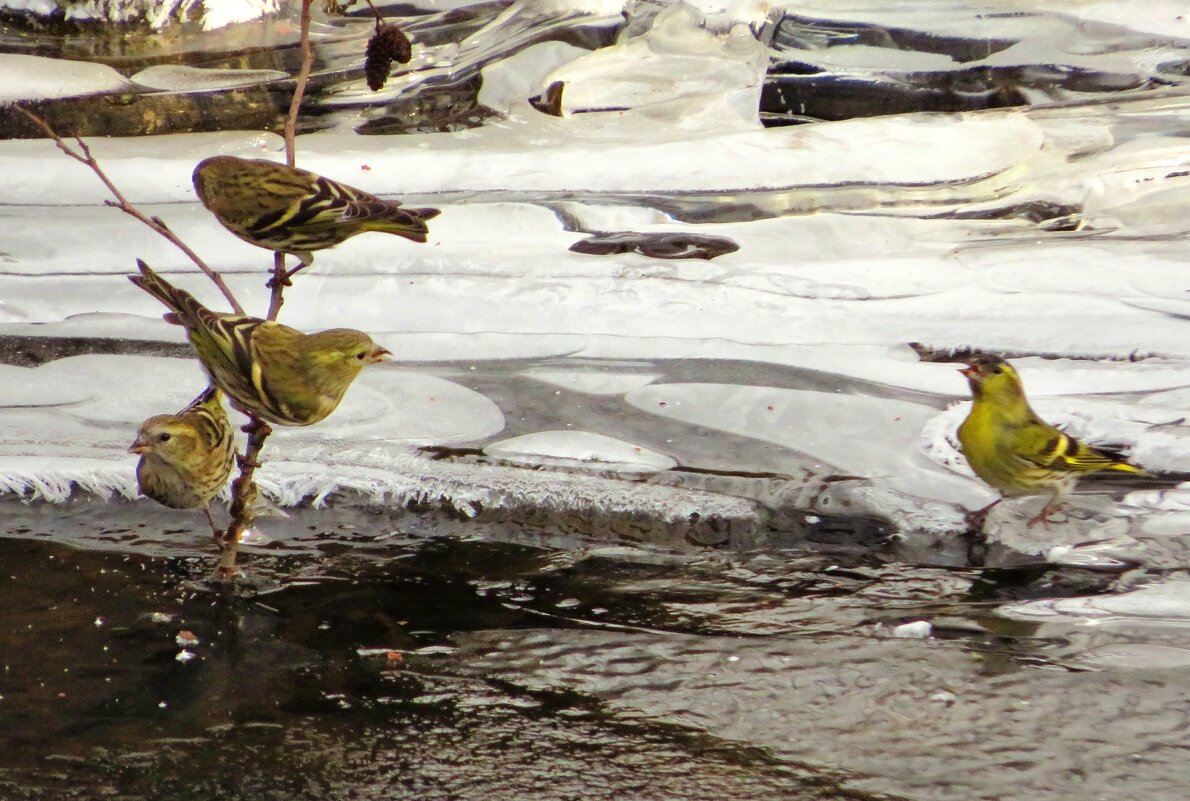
point(277, 285)
point(243, 494)
point(379, 19)
point(299, 90)
point(243, 489)
point(83, 156)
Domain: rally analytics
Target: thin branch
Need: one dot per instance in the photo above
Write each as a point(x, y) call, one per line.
point(299, 90)
point(243, 494)
point(277, 285)
point(122, 203)
point(243, 489)
point(379, 19)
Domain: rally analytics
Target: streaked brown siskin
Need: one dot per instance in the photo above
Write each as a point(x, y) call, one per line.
point(186, 458)
point(295, 211)
point(267, 369)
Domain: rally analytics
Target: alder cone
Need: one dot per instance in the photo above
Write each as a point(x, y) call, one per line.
point(389, 43)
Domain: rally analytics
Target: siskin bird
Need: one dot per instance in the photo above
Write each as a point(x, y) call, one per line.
point(285, 209)
point(267, 369)
point(186, 458)
point(1014, 450)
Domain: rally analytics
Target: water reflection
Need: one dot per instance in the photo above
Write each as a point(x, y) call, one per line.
point(371, 654)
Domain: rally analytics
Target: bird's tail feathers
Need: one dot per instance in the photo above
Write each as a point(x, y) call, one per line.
point(153, 283)
point(211, 396)
point(1124, 467)
point(409, 223)
point(184, 307)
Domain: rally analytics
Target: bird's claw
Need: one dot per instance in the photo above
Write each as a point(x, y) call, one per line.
point(243, 462)
point(256, 425)
point(279, 280)
point(1044, 515)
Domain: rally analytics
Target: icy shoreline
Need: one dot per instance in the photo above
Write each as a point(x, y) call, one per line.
point(1054, 234)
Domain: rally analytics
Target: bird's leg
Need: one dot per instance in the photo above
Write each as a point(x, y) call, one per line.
point(1051, 506)
point(281, 279)
point(976, 519)
point(206, 510)
point(281, 275)
point(307, 260)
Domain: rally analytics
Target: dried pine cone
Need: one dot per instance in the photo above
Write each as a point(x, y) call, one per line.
point(387, 44)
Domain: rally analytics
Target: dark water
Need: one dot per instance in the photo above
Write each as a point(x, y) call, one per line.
point(377, 654)
point(337, 672)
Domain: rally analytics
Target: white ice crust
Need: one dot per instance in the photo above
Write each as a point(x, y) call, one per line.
point(25, 77)
point(158, 13)
point(856, 238)
point(581, 449)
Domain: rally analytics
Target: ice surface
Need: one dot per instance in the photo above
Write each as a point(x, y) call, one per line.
point(1002, 18)
point(581, 449)
point(1128, 656)
point(34, 6)
point(593, 382)
point(852, 434)
point(181, 78)
point(158, 13)
point(25, 77)
point(218, 13)
point(676, 59)
point(509, 82)
point(1161, 604)
point(18, 388)
point(1039, 232)
point(384, 404)
point(615, 154)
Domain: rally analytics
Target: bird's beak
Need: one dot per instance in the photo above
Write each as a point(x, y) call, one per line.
point(140, 446)
point(380, 353)
point(968, 371)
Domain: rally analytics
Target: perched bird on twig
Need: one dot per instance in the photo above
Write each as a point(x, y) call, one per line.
point(295, 211)
point(267, 369)
point(186, 458)
point(1014, 450)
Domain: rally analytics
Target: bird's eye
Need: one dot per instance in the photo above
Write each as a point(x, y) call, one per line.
point(997, 370)
point(163, 436)
point(361, 355)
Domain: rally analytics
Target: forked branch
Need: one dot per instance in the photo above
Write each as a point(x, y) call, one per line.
point(83, 156)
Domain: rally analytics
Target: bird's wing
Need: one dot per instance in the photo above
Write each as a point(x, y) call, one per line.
point(282, 375)
point(333, 204)
point(225, 343)
point(209, 419)
point(1046, 446)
